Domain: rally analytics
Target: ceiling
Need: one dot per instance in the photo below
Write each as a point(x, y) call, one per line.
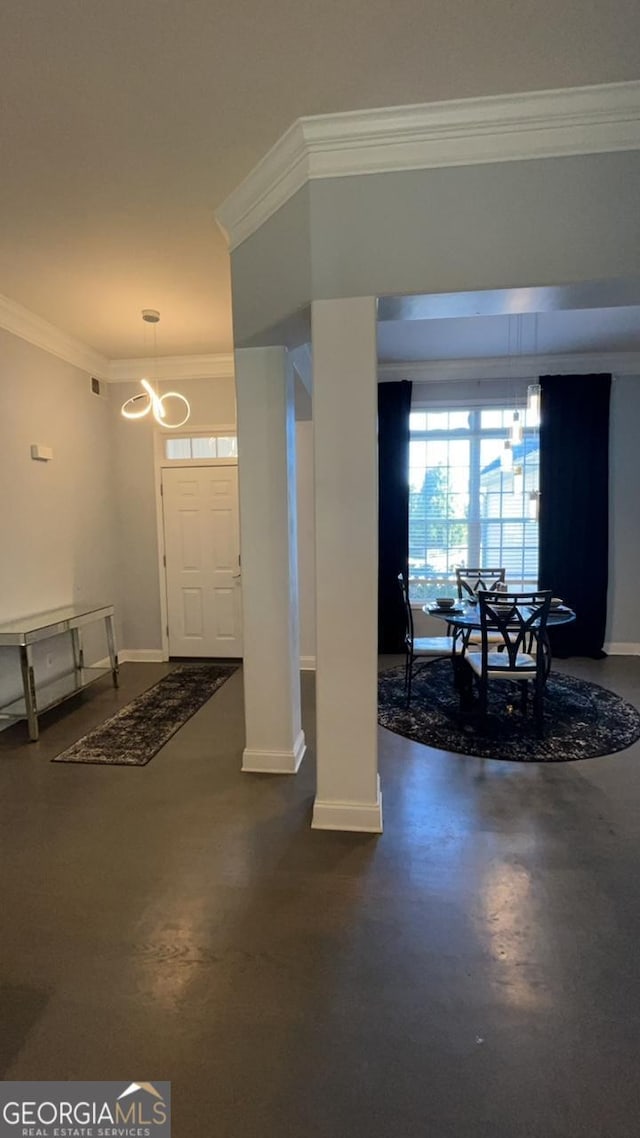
point(478, 337)
point(125, 123)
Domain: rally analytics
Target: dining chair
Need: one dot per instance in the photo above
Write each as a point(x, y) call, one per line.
point(520, 620)
point(419, 650)
point(469, 581)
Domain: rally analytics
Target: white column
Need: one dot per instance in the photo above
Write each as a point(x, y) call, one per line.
point(266, 445)
point(346, 495)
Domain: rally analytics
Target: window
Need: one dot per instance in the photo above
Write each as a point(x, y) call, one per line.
point(465, 508)
point(189, 447)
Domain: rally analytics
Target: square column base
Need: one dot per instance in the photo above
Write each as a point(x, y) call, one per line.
point(275, 762)
point(358, 817)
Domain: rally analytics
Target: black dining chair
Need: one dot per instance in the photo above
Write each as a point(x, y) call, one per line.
point(469, 581)
point(419, 650)
point(520, 621)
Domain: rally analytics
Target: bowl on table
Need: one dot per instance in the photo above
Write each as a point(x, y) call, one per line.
point(556, 602)
point(445, 603)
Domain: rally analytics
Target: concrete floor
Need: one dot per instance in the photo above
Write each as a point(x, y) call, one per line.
point(473, 972)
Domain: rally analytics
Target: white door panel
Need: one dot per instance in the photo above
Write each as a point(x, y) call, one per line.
point(204, 600)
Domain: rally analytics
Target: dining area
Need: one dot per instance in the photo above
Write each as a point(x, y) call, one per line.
point(486, 682)
point(494, 587)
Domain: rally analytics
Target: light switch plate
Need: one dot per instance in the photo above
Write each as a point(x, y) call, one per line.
point(43, 454)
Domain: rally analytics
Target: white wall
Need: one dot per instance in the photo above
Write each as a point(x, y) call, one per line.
point(58, 536)
point(623, 617)
point(542, 221)
point(501, 225)
point(306, 544)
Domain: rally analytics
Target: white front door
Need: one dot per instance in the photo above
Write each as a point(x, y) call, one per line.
point(201, 536)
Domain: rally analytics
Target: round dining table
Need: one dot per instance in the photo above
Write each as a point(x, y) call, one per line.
point(464, 618)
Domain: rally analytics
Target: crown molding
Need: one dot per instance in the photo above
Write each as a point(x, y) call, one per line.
point(512, 367)
point(28, 326)
point(282, 171)
point(460, 132)
point(165, 368)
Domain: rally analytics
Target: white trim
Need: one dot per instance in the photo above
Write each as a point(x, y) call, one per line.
point(512, 367)
point(282, 171)
point(622, 649)
point(307, 663)
point(28, 326)
point(20, 321)
point(359, 817)
point(160, 463)
point(142, 656)
point(220, 366)
point(302, 360)
point(457, 132)
point(274, 762)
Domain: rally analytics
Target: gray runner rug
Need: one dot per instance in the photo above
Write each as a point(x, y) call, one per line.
point(137, 732)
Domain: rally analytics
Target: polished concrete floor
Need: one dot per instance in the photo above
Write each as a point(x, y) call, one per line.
point(472, 972)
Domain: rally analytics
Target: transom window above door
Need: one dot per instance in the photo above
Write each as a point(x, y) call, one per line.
point(197, 447)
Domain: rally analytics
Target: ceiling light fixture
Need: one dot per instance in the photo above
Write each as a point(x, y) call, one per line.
point(135, 409)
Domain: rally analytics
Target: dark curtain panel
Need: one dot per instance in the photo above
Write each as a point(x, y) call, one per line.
point(394, 407)
point(574, 505)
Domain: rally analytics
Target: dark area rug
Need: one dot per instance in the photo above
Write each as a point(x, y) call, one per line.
point(137, 732)
point(581, 719)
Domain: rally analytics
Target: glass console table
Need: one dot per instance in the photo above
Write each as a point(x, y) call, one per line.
point(27, 631)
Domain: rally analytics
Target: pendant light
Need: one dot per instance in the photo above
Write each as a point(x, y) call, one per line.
point(516, 429)
point(533, 404)
point(140, 405)
point(534, 390)
point(518, 480)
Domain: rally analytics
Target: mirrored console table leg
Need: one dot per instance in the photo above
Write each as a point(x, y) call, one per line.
point(78, 654)
point(113, 655)
point(29, 689)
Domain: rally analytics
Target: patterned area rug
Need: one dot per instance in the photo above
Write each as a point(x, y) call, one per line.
point(137, 732)
point(581, 720)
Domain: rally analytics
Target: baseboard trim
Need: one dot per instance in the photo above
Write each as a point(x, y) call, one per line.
point(622, 649)
point(357, 817)
point(141, 656)
point(307, 663)
point(274, 762)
